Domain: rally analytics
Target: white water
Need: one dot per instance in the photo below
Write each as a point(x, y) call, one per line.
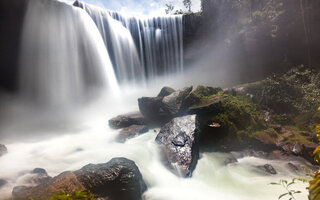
point(62, 54)
point(86, 138)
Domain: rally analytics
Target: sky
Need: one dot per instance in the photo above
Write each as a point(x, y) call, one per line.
point(143, 7)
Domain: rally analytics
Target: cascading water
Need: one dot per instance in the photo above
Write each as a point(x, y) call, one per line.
point(143, 47)
point(62, 54)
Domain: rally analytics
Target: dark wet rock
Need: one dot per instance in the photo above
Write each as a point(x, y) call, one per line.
point(120, 178)
point(230, 160)
point(3, 182)
point(294, 148)
point(267, 168)
point(39, 171)
point(165, 91)
point(131, 131)
point(126, 120)
point(150, 108)
point(179, 142)
point(292, 167)
point(3, 150)
point(172, 103)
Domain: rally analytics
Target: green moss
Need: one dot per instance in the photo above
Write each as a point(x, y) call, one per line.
point(76, 195)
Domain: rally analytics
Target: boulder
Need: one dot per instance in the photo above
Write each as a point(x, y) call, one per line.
point(179, 143)
point(126, 120)
point(172, 103)
point(118, 179)
point(39, 176)
point(165, 91)
point(150, 108)
point(131, 131)
point(3, 150)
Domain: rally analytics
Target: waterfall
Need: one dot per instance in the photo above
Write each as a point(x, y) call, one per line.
point(62, 54)
point(140, 47)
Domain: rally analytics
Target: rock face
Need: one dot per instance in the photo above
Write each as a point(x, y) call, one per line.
point(126, 120)
point(3, 150)
point(131, 131)
point(163, 108)
point(179, 142)
point(118, 179)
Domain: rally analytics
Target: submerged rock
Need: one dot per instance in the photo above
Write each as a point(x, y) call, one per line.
point(179, 142)
point(118, 179)
point(126, 120)
point(267, 168)
point(3, 150)
point(131, 131)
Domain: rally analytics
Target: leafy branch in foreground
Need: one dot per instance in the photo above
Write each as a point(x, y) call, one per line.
point(314, 188)
point(286, 185)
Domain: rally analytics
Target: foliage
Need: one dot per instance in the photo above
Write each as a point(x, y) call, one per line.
point(76, 195)
point(169, 8)
point(314, 189)
point(287, 185)
point(187, 4)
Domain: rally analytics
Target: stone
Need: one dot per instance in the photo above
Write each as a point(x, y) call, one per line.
point(172, 103)
point(117, 179)
point(131, 131)
point(292, 167)
point(150, 108)
point(230, 160)
point(267, 168)
point(39, 176)
point(165, 91)
point(3, 150)
point(126, 120)
point(179, 142)
point(120, 178)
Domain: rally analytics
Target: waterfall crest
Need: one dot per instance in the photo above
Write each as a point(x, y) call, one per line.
point(154, 46)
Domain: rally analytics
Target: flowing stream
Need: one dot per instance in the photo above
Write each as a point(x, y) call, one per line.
point(72, 55)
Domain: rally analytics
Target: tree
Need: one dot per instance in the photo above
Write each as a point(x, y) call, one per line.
point(169, 8)
point(187, 4)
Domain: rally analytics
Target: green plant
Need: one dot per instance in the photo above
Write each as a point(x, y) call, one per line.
point(286, 185)
point(314, 188)
point(76, 195)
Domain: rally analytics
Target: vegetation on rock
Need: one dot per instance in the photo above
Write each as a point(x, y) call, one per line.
point(76, 195)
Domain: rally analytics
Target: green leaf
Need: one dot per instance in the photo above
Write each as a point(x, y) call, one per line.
point(282, 195)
